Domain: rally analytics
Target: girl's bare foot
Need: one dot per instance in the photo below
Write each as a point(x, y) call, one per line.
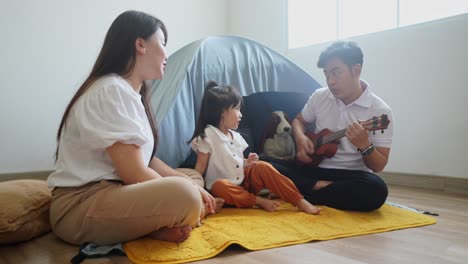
point(176, 234)
point(219, 204)
point(266, 204)
point(307, 207)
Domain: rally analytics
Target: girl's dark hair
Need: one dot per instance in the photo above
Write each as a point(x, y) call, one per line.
point(118, 56)
point(216, 99)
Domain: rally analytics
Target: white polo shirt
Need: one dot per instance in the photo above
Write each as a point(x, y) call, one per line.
point(329, 112)
point(226, 155)
point(109, 111)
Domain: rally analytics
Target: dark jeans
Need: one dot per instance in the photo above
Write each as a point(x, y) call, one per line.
point(351, 189)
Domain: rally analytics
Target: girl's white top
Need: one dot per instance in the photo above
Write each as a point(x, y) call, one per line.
point(226, 155)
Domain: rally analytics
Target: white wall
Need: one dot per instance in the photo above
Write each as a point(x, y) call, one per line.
point(420, 71)
point(48, 48)
point(261, 20)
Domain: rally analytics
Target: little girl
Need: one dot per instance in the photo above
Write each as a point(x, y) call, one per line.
point(220, 157)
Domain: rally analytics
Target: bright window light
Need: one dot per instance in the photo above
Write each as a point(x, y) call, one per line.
point(359, 17)
point(311, 21)
point(315, 21)
point(412, 13)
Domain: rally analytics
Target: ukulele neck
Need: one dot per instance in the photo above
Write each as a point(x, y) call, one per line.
point(330, 137)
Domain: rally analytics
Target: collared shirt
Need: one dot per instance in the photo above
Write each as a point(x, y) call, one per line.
point(226, 156)
point(331, 113)
point(109, 111)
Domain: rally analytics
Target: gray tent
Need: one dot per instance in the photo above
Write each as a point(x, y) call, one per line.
point(245, 64)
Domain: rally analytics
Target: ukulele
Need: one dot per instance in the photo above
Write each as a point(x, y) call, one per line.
point(326, 142)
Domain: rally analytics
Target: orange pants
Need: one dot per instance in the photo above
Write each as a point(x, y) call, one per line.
point(257, 177)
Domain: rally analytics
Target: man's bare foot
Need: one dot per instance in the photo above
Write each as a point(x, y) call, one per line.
point(176, 234)
point(320, 184)
point(307, 207)
point(219, 204)
point(266, 204)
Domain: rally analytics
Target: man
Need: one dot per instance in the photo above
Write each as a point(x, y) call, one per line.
point(346, 180)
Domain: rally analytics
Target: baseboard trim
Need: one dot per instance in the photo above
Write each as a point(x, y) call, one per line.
point(35, 175)
point(430, 182)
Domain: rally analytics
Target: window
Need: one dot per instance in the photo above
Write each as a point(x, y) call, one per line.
point(309, 21)
point(314, 21)
point(357, 17)
point(412, 13)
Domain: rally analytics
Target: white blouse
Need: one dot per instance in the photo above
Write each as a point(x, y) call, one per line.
point(109, 111)
point(226, 155)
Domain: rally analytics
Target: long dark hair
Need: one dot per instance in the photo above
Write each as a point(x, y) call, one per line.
point(216, 99)
point(118, 56)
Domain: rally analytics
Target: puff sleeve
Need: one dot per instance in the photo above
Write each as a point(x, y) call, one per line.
point(112, 113)
point(201, 145)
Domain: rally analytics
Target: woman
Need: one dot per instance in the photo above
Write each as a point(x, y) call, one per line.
point(108, 187)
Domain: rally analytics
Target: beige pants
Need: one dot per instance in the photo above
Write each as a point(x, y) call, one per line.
point(108, 212)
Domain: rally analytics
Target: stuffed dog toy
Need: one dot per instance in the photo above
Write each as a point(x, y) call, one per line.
point(278, 142)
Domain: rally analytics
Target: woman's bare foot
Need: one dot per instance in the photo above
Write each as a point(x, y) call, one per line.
point(219, 204)
point(266, 204)
point(176, 234)
point(307, 207)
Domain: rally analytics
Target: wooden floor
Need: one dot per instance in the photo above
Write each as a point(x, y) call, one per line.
point(444, 242)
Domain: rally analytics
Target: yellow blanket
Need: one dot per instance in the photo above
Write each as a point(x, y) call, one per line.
point(256, 229)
